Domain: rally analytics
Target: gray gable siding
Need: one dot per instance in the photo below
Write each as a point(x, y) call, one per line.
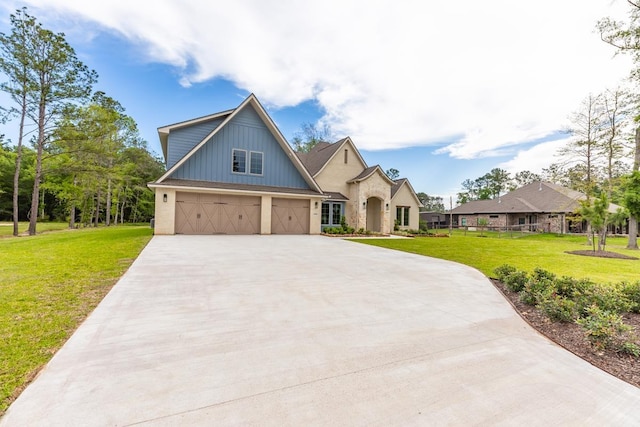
point(181, 141)
point(246, 131)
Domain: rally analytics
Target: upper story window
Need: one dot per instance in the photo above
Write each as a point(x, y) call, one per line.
point(346, 156)
point(239, 162)
point(255, 164)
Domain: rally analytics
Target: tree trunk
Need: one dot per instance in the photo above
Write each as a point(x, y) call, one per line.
point(72, 211)
point(108, 205)
point(35, 195)
point(97, 218)
point(16, 173)
point(633, 221)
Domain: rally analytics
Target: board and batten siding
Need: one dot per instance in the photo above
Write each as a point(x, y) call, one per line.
point(246, 131)
point(181, 141)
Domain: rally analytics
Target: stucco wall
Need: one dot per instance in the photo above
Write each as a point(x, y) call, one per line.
point(165, 211)
point(336, 173)
point(404, 198)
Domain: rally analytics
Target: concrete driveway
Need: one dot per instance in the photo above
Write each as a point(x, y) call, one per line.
point(309, 330)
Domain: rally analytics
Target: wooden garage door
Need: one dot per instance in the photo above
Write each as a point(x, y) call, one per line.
point(217, 214)
point(289, 216)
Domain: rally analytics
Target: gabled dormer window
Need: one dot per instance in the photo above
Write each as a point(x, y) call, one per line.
point(239, 162)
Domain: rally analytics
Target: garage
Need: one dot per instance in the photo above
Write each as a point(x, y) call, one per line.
point(199, 213)
point(290, 216)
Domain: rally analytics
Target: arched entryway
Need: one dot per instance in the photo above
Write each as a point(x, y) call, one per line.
point(374, 214)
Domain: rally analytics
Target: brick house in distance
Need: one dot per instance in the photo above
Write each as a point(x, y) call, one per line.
point(539, 206)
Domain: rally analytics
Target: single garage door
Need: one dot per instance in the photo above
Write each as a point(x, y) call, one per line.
point(217, 214)
point(289, 216)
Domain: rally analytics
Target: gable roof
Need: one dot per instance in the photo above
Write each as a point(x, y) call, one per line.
point(321, 154)
point(398, 183)
point(535, 197)
point(227, 116)
point(368, 172)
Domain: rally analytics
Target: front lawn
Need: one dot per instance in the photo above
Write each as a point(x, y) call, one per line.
point(49, 283)
point(547, 251)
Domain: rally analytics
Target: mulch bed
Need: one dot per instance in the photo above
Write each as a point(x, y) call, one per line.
point(571, 336)
point(601, 254)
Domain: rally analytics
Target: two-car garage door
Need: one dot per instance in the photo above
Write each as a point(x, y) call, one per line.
point(198, 213)
point(217, 214)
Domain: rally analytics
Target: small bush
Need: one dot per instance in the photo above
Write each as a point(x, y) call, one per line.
point(516, 281)
point(632, 292)
point(556, 307)
point(540, 283)
point(606, 330)
point(605, 297)
point(570, 287)
point(503, 271)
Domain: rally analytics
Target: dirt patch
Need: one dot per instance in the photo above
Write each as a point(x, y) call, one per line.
point(571, 336)
point(601, 254)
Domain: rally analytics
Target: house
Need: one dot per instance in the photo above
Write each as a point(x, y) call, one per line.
point(539, 206)
point(233, 172)
point(364, 195)
point(435, 220)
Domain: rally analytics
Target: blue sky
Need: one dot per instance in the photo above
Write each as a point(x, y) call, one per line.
point(440, 92)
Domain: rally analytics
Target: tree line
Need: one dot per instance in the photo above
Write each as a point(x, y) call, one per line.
point(78, 157)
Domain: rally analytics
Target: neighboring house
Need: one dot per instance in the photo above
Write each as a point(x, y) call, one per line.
point(539, 206)
point(363, 194)
point(233, 172)
point(435, 220)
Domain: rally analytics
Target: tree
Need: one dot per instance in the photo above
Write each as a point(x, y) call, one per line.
point(14, 63)
point(597, 214)
point(56, 77)
point(631, 200)
point(523, 178)
point(586, 124)
point(613, 147)
point(310, 135)
point(393, 174)
point(431, 203)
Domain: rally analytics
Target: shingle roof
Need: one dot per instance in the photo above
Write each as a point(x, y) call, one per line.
point(336, 196)
point(532, 198)
point(319, 155)
point(396, 186)
point(231, 186)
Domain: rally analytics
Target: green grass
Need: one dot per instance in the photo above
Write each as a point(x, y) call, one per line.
point(49, 283)
point(6, 228)
point(526, 252)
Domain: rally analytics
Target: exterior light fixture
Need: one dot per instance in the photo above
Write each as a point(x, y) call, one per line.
point(364, 204)
point(386, 206)
point(164, 198)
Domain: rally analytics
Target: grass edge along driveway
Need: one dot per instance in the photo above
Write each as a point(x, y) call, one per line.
point(49, 284)
point(547, 251)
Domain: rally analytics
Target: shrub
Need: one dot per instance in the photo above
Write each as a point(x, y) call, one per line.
point(570, 287)
point(632, 292)
point(605, 297)
point(516, 281)
point(606, 330)
point(540, 282)
point(503, 271)
point(557, 307)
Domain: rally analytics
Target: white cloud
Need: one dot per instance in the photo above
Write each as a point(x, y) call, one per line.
point(480, 75)
point(535, 158)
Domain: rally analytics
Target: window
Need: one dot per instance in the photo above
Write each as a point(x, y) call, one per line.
point(331, 214)
point(346, 156)
point(463, 222)
point(336, 216)
point(521, 221)
point(239, 163)
point(402, 215)
point(255, 163)
point(325, 213)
